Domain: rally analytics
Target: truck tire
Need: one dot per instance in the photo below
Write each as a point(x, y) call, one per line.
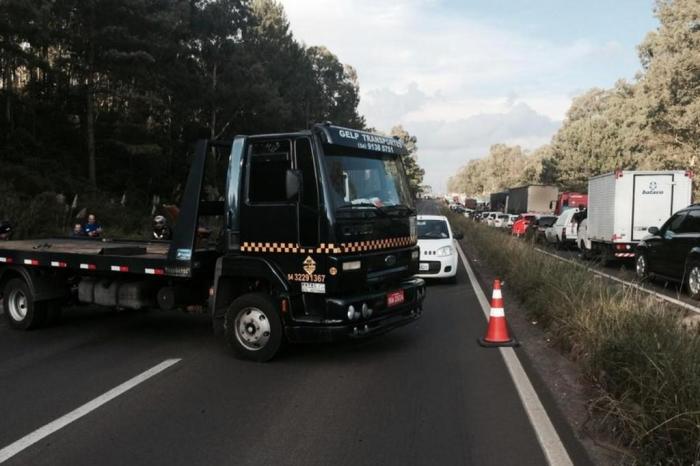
point(22, 312)
point(693, 280)
point(253, 327)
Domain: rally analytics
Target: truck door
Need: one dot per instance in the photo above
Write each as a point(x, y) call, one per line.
point(267, 217)
point(653, 203)
point(309, 217)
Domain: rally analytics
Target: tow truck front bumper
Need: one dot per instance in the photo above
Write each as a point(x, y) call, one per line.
point(383, 318)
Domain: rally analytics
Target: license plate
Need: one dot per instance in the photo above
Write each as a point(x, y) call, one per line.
point(313, 287)
point(423, 267)
point(394, 298)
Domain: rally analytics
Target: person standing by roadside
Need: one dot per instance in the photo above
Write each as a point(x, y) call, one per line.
point(5, 230)
point(160, 228)
point(92, 228)
point(77, 231)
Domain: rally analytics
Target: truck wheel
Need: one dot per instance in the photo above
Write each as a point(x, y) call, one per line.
point(642, 267)
point(22, 311)
point(253, 327)
point(693, 280)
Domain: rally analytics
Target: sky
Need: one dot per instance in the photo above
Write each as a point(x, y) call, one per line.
point(463, 75)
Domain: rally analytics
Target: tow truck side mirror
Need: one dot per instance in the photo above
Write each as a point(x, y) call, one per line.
point(458, 235)
point(653, 230)
point(293, 182)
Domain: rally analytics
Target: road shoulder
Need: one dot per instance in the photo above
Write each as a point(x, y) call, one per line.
point(556, 379)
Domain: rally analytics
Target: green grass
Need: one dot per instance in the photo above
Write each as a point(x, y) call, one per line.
point(629, 344)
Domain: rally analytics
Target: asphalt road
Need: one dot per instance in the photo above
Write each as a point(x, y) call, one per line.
point(421, 395)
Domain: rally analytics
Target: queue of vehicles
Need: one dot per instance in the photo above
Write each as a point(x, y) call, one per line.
point(644, 218)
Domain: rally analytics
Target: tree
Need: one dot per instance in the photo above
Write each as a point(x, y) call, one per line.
point(669, 88)
point(111, 94)
point(504, 167)
point(410, 161)
point(599, 135)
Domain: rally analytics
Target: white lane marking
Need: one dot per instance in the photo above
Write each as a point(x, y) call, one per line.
point(547, 435)
point(43, 432)
point(675, 301)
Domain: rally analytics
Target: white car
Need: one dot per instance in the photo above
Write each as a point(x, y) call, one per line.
point(491, 218)
point(564, 232)
point(438, 254)
point(501, 221)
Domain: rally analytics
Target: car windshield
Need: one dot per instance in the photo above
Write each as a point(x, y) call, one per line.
point(366, 179)
point(432, 229)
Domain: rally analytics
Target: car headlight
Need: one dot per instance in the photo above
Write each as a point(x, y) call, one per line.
point(444, 251)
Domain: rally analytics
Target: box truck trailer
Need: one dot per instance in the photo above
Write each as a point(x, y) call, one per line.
point(498, 201)
point(624, 204)
point(532, 198)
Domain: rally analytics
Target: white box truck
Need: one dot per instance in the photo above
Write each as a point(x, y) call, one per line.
point(624, 204)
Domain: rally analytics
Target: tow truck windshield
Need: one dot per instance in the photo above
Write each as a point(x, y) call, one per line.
point(368, 181)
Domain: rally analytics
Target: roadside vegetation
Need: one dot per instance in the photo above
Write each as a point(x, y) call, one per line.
point(634, 348)
point(103, 100)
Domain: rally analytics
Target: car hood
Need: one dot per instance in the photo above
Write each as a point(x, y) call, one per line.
point(429, 246)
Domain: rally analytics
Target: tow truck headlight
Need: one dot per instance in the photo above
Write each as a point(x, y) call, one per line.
point(444, 251)
point(352, 265)
point(415, 254)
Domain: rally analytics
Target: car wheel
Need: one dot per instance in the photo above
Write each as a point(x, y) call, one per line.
point(642, 266)
point(693, 281)
point(22, 312)
point(253, 327)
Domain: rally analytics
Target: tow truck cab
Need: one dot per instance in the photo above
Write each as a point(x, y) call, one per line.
point(322, 223)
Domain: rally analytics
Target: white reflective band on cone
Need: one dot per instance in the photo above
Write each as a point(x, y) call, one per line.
point(497, 294)
point(497, 312)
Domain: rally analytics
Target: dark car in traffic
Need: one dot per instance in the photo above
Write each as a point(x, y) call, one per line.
point(536, 228)
point(672, 251)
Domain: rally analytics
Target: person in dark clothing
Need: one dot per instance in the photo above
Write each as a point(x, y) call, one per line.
point(160, 228)
point(92, 228)
point(5, 230)
point(77, 231)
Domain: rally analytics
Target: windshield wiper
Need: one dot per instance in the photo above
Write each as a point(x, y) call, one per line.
point(361, 204)
point(399, 208)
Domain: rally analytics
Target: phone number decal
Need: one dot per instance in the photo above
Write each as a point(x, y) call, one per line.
point(305, 277)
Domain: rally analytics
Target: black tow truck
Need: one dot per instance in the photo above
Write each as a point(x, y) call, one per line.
point(318, 243)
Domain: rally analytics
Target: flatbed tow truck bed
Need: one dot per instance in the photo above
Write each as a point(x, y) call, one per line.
point(86, 246)
point(147, 257)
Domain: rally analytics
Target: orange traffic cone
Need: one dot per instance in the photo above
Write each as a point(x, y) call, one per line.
point(497, 332)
